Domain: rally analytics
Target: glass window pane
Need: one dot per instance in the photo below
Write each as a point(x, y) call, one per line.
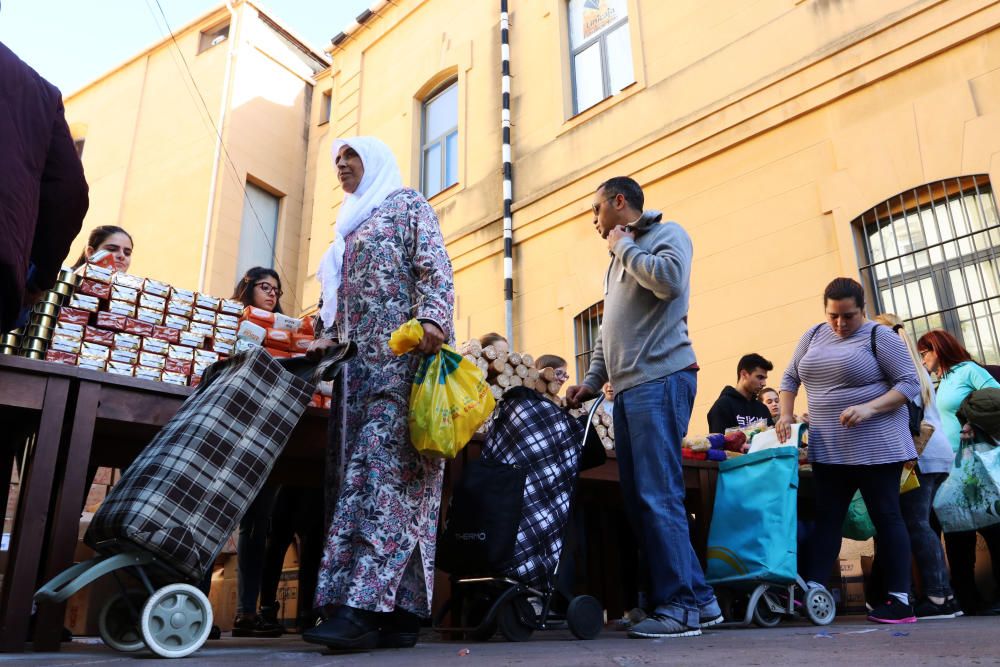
point(257, 229)
point(589, 78)
point(432, 170)
point(451, 160)
point(619, 45)
point(441, 114)
point(588, 18)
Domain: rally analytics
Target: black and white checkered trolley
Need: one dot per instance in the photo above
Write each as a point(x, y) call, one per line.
point(167, 519)
point(508, 519)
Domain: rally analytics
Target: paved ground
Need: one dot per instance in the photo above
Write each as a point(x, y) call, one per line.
point(847, 643)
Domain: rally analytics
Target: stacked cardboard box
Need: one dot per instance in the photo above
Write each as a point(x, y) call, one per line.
point(133, 326)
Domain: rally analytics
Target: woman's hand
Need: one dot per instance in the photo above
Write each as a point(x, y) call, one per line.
point(318, 348)
point(856, 414)
point(783, 427)
point(433, 339)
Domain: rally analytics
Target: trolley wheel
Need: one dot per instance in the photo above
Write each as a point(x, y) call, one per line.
point(763, 615)
point(820, 606)
point(513, 618)
point(585, 617)
point(118, 624)
point(176, 621)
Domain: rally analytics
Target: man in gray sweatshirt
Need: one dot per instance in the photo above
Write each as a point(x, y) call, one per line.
point(644, 350)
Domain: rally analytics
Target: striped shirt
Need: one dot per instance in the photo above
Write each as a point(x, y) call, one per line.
point(841, 372)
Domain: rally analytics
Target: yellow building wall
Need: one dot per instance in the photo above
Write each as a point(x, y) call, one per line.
point(148, 153)
point(763, 128)
point(151, 141)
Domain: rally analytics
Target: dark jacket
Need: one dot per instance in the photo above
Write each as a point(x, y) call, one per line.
point(732, 410)
point(981, 408)
point(43, 192)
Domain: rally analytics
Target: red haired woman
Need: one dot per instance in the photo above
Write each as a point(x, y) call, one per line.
point(942, 354)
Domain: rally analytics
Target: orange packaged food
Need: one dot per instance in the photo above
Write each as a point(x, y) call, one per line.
point(278, 339)
point(259, 316)
point(301, 342)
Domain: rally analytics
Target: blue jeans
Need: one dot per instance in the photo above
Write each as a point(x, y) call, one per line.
point(650, 421)
point(925, 544)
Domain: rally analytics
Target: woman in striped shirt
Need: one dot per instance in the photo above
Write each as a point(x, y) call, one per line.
point(858, 378)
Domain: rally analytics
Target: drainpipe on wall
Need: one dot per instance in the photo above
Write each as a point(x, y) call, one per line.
point(223, 106)
point(508, 190)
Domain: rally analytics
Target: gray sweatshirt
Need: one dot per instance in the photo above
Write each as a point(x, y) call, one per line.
point(644, 332)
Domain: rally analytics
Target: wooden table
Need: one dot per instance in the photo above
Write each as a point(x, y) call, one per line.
point(34, 403)
point(88, 418)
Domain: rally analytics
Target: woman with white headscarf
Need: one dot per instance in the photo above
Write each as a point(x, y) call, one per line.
point(386, 265)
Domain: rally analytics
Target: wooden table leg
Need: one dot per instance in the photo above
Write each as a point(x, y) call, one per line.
point(65, 521)
point(30, 521)
point(706, 504)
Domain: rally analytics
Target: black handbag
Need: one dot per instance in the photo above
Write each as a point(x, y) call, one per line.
point(484, 512)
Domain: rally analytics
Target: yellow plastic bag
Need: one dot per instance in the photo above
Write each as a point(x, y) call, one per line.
point(449, 400)
point(908, 480)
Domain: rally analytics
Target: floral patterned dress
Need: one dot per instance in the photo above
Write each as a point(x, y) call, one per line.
point(383, 498)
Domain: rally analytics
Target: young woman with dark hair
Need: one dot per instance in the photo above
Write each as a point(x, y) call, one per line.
point(943, 354)
point(261, 288)
point(113, 239)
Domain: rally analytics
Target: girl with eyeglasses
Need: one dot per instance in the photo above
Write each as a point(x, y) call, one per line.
point(260, 288)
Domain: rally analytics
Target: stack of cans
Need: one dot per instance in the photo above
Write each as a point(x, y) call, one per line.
point(33, 340)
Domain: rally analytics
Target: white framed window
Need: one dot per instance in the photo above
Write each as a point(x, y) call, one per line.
point(600, 50)
point(439, 141)
point(258, 229)
point(930, 256)
point(326, 108)
point(213, 37)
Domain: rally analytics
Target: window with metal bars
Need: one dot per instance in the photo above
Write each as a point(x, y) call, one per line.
point(929, 256)
point(586, 327)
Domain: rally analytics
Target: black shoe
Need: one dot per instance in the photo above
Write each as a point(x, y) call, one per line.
point(267, 622)
point(400, 629)
point(347, 629)
point(215, 632)
point(893, 612)
point(251, 625)
point(927, 610)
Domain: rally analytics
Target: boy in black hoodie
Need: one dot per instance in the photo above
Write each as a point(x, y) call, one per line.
point(738, 406)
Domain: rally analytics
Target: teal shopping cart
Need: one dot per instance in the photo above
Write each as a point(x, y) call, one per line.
point(752, 543)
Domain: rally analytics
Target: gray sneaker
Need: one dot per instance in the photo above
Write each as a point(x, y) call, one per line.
point(658, 626)
point(710, 614)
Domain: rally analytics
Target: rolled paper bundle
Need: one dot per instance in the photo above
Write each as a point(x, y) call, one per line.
point(490, 352)
point(514, 358)
point(527, 360)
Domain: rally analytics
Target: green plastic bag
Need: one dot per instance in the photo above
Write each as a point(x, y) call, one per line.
point(970, 498)
point(857, 524)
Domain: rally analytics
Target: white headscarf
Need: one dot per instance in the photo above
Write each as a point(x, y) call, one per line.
point(381, 178)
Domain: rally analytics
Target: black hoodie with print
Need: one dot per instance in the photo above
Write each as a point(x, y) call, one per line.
point(731, 409)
